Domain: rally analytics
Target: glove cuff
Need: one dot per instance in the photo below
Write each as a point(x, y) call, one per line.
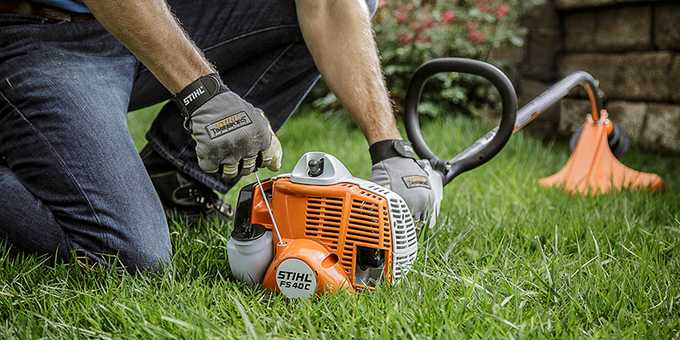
point(390, 148)
point(198, 93)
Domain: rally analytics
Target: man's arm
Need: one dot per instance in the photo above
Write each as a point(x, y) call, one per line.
point(144, 26)
point(150, 31)
point(339, 36)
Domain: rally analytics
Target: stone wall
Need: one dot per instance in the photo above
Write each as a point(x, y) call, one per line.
point(631, 47)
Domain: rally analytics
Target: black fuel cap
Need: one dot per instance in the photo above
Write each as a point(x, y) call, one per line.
point(315, 167)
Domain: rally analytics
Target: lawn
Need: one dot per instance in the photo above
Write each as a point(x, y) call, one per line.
point(507, 259)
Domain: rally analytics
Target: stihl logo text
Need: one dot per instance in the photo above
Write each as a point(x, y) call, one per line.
point(193, 95)
point(294, 280)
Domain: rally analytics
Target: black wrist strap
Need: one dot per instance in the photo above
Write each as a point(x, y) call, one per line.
point(389, 148)
point(198, 93)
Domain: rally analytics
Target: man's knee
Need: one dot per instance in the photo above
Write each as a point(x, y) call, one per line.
point(145, 246)
point(141, 254)
point(139, 243)
point(135, 236)
point(144, 258)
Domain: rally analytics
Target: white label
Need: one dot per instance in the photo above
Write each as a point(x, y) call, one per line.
point(295, 279)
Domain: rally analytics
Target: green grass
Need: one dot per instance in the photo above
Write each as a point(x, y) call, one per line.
point(507, 259)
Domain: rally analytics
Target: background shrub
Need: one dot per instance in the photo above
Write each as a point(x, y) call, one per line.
point(410, 33)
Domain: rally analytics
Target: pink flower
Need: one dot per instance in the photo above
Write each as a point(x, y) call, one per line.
point(427, 23)
point(420, 29)
point(403, 14)
point(472, 25)
point(476, 37)
point(402, 18)
point(424, 38)
point(422, 25)
point(406, 38)
point(502, 11)
point(448, 16)
point(484, 6)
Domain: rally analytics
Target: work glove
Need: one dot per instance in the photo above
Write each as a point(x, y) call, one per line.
point(395, 167)
point(232, 136)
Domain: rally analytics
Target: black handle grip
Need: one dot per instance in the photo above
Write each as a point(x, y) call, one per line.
point(480, 152)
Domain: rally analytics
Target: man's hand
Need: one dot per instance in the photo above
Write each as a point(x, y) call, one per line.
point(229, 131)
point(395, 167)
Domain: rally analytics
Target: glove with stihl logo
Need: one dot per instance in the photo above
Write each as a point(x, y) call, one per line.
point(395, 167)
point(232, 136)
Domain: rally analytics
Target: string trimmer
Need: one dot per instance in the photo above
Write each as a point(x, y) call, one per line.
point(319, 229)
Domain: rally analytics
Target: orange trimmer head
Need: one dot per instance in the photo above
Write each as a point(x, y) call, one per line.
point(593, 169)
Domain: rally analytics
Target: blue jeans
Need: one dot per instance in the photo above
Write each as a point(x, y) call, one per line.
point(71, 181)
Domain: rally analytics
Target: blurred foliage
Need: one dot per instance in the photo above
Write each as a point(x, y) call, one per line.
point(410, 33)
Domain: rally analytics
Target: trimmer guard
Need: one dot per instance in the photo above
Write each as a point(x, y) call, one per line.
point(593, 169)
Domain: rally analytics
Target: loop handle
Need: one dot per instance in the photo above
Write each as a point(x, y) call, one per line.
point(484, 149)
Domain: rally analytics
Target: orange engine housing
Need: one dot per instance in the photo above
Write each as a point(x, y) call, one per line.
point(329, 231)
point(343, 217)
